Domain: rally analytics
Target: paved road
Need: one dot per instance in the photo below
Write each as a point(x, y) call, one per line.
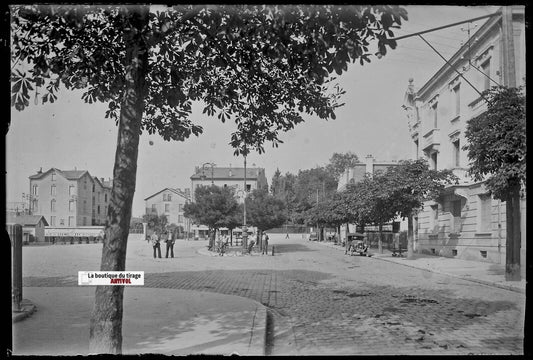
point(322, 301)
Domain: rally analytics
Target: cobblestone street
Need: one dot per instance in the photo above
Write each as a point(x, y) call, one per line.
point(324, 302)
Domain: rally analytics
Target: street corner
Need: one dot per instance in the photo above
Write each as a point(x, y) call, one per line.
point(27, 308)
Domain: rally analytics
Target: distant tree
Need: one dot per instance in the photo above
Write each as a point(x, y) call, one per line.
point(264, 211)
point(233, 220)
point(340, 162)
point(496, 145)
point(155, 222)
point(330, 213)
point(212, 206)
point(260, 66)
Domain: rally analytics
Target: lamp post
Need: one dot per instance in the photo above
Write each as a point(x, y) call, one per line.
point(244, 228)
point(212, 171)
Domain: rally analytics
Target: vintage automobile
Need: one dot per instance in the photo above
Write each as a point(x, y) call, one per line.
point(357, 244)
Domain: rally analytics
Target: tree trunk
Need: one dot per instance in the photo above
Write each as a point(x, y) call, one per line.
point(513, 241)
point(410, 237)
point(106, 318)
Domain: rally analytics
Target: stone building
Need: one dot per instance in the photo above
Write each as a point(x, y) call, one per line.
point(466, 222)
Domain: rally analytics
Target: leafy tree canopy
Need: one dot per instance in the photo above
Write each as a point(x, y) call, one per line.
point(340, 162)
point(213, 206)
point(264, 211)
point(497, 141)
point(260, 66)
point(155, 222)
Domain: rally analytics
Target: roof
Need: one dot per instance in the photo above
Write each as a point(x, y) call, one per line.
point(226, 173)
point(25, 219)
point(175, 191)
point(68, 174)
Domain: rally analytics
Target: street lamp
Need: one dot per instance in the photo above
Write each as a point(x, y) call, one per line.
point(212, 171)
point(244, 228)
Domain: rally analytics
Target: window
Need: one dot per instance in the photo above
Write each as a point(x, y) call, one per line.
point(457, 98)
point(434, 111)
point(167, 208)
point(485, 213)
point(71, 221)
point(71, 190)
point(52, 221)
point(94, 187)
point(53, 190)
point(180, 207)
point(84, 205)
point(98, 209)
point(169, 197)
point(62, 222)
point(71, 205)
point(98, 196)
point(456, 216)
point(180, 219)
point(35, 206)
point(416, 149)
point(164, 197)
point(105, 197)
point(153, 207)
point(485, 69)
point(53, 205)
point(456, 153)
point(248, 187)
point(35, 190)
point(53, 177)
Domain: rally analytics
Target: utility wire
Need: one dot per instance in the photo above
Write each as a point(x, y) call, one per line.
point(450, 65)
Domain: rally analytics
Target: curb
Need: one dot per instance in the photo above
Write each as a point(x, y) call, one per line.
point(479, 281)
point(27, 308)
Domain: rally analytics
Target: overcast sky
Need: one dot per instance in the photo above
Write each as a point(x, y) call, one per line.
point(71, 134)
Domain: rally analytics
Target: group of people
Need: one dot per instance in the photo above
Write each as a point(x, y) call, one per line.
point(253, 240)
point(156, 239)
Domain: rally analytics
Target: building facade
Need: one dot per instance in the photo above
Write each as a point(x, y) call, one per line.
point(169, 202)
point(68, 198)
point(466, 222)
point(357, 173)
point(33, 227)
point(101, 197)
point(229, 177)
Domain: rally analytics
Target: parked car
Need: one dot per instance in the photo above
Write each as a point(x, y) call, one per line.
point(313, 236)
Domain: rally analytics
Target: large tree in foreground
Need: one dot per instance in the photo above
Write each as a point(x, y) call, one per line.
point(258, 66)
point(497, 153)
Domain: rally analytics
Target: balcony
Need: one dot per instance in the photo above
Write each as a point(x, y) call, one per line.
point(431, 140)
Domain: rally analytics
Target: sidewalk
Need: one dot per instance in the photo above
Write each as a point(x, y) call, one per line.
point(162, 321)
point(476, 271)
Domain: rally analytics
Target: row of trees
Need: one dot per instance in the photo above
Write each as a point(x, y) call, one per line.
point(378, 199)
point(217, 207)
point(300, 192)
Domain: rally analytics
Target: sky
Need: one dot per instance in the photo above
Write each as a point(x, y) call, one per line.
point(70, 134)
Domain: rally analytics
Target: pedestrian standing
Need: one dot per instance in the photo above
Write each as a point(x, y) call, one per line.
point(156, 244)
point(170, 244)
point(265, 243)
point(287, 236)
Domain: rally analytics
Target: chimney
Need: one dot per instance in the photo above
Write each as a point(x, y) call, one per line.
point(102, 180)
point(196, 169)
point(40, 171)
